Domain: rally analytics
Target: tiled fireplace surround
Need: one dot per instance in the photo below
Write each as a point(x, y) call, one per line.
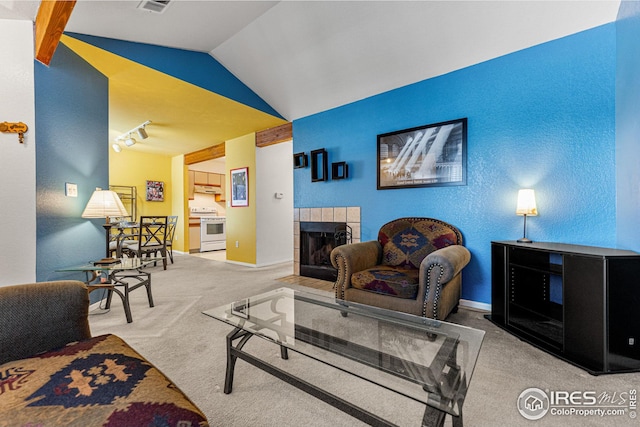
point(349, 214)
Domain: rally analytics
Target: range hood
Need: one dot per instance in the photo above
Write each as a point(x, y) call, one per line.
point(207, 189)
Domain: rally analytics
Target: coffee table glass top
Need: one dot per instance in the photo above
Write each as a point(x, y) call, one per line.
point(427, 360)
point(121, 264)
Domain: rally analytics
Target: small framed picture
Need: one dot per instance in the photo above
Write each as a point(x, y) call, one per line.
point(155, 191)
point(240, 187)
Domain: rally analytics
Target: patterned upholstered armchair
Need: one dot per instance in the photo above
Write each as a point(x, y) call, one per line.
point(414, 267)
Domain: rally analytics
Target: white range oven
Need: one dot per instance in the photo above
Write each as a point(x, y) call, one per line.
point(213, 233)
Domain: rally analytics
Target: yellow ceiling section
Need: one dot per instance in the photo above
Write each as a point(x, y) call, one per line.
point(185, 117)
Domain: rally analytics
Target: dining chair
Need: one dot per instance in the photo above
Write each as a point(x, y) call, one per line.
point(123, 232)
point(152, 239)
point(172, 222)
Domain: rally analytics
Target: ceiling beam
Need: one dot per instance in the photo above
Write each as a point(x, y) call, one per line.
point(274, 135)
point(263, 138)
point(51, 19)
point(209, 153)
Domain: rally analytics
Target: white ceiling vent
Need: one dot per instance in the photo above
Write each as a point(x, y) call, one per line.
point(157, 6)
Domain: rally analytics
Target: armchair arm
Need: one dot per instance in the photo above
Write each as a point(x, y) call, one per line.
point(349, 259)
point(436, 271)
point(451, 260)
point(42, 316)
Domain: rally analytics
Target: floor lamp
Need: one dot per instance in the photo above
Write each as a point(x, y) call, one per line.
point(105, 204)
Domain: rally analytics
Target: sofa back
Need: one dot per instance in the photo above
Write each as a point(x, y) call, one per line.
point(42, 316)
point(407, 241)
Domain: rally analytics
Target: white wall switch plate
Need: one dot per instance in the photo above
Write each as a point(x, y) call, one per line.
point(70, 190)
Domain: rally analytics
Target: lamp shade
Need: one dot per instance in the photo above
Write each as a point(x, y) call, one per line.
point(103, 204)
point(526, 203)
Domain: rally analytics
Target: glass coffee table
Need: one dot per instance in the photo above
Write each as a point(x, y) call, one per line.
point(125, 273)
point(423, 359)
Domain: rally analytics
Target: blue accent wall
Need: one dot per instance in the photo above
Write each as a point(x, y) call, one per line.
point(628, 125)
point(72, 127)
point(542, 118)
point(197, 68)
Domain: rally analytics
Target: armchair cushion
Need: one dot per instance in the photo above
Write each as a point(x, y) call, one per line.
point(384, 279)
point(407, 241)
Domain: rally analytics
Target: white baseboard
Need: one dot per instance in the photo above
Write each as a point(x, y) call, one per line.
point(267, 264)
point(246, 264)
point(475, 305)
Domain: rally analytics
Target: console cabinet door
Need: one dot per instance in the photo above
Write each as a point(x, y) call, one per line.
point(624, 314)
point(584, 301)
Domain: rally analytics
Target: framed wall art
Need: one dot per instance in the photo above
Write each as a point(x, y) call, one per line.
point(155, 191)
point(240, 187)
point(425, 156)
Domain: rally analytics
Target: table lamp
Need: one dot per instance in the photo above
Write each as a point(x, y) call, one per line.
point(526, 206)
point(104, 204)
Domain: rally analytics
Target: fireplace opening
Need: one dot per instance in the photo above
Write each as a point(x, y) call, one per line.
point(317, 240)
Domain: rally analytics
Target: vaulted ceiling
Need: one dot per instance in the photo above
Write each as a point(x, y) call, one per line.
point(304, 57)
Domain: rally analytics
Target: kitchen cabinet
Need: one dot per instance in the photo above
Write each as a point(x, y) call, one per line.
point(214, 179)
point(194, 235)
point(222, 197)
point(201, 178)
point(207, 178)
point(578, 303)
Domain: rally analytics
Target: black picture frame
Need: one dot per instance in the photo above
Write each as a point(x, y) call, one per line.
point(426, 156)
point(299, 160)
point(339, 170)
point(319, 165)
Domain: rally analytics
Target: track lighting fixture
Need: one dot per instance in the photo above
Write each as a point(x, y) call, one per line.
point(142, 133)
point(128, 139)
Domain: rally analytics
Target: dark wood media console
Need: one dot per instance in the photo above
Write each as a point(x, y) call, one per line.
point(579, 303)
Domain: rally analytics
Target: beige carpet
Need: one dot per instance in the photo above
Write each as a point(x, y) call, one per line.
point(190, 348)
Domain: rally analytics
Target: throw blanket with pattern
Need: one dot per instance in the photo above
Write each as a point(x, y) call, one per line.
point(97, 382)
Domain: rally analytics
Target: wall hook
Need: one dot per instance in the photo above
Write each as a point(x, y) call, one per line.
point(19, 128)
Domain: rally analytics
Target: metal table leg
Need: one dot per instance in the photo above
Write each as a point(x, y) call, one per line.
point(234, 353)
point(143, 278)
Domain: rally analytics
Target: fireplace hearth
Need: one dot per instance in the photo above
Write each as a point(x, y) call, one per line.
point(317, 240)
